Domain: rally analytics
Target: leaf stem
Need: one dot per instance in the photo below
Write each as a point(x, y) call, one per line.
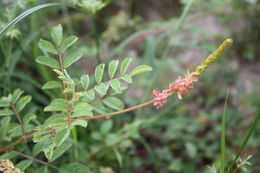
point(18, 118)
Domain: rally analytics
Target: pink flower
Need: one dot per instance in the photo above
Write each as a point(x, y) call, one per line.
point(181, 85)
point(160, 98)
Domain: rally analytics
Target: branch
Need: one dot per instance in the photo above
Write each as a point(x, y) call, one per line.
point(19, 118)
point(18, 141)
point(34, 159)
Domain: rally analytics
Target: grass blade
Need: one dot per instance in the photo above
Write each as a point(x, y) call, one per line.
point(245, 141)
point(223, 137)
point(27, 13)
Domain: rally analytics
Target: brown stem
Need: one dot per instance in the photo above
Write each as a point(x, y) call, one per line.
point(118, 112)
point(34, 159)
point(113, 113)
point(60, 60)
point(18, 141)
point(19, 118)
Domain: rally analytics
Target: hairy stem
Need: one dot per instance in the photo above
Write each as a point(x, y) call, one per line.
point(18, 118)
point(34, 159)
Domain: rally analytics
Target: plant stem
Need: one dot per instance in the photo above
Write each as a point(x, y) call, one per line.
point(116, 113)
point(18, 141)
point(34, 159)
point(223, 137)
point(19, 118)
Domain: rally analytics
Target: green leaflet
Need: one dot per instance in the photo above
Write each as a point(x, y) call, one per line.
point(59, 151)
point(127, 78)
point(82, 123)
point(140, 69)
point(106, 127)
point(45, 60)
point(99, 72)
point(84, 79)
point(57, 105)
point(102, 89)
point(116, 85)
point(114, 103)
point(57, 35)
point(61, 136)
point(82, 109)
point(72, 58)
point(51, 85)
point(112, 67)
point(24, 164)
point(47, 46)
point(55, 120)
point(68, 42)
point(124, 65)
point(16, 95)
point(22, 103)
point(6, 112)
point(74, 167)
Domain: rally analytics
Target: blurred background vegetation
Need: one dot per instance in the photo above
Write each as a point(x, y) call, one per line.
point(172, 36)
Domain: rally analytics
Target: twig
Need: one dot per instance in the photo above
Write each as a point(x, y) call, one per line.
point(34, 159)
point(19, 118)
point(18, 141)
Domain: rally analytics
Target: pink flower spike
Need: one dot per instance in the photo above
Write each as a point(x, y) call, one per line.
point(182, 85)
point(160, 98)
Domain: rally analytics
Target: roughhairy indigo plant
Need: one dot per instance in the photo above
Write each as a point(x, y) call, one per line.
point(83, 99)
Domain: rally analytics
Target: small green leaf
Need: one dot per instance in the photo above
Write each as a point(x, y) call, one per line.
point(112, 67)
point(127, 78)
point(4, 103)
point(45, 142)
point(82, 123)
point(114, 103)
point(102, 89)
point(55, 120)
point(51, 85)
point(47, 46)
point(23, 102)
point(75, 56)
point(118, 156)
point(24, 164)
point(57, 105)
point(61, 136)
point(42, 169)
point(82, 109)
point(101, 109)
point(125, 65)
point(4, 124)
point(60, 150)
point(90, 94)
point(16, 95)
point(6, 112)
point(28, 117)
point(57, 35)
point(140, 69)
point(68, 42)
point(84, 79)
point(45, 60)
point(74, 167)
point(99, 72)
point(111, 139)
point(106, 127)
point(116, 85)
